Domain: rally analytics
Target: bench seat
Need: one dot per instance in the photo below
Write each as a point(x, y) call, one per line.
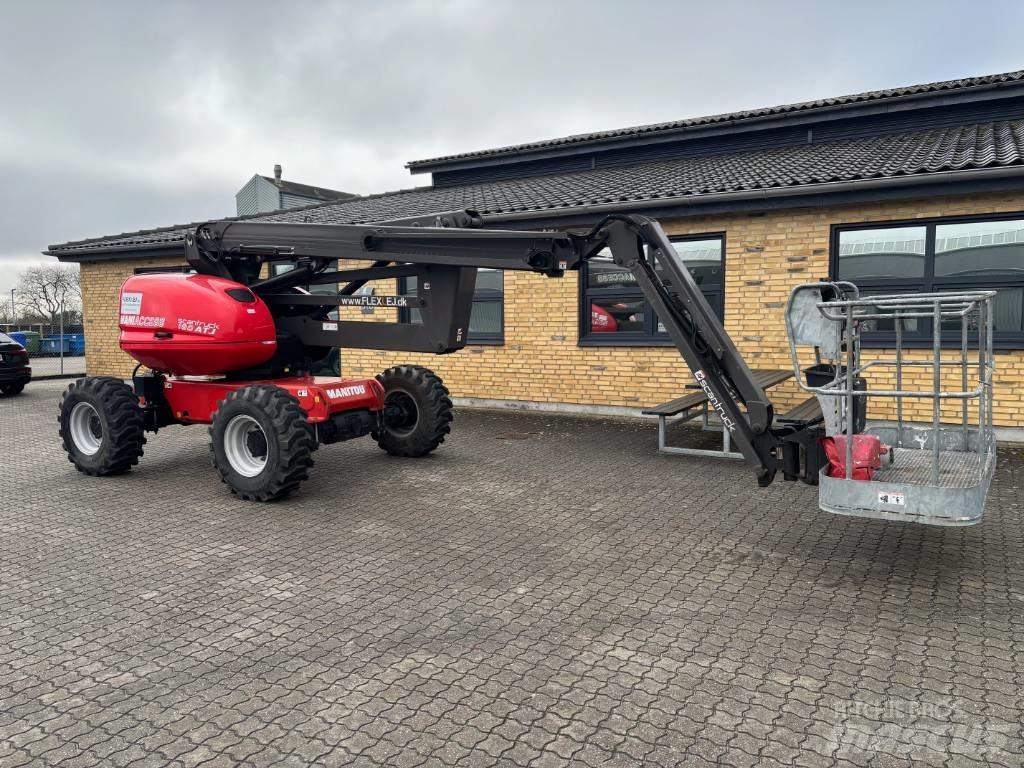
point(673, 407)
point(806, 412)
point(677, 406)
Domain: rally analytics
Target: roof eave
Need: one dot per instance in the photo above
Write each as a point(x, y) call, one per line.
point(56, 247)
point(145, 250)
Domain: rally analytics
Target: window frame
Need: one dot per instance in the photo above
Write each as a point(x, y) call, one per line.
point(922, 339)
point(473, 338)
point(649, 337)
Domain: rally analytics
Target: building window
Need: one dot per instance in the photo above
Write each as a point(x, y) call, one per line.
point(958, 254)
point(613, 310)
point(486, 319)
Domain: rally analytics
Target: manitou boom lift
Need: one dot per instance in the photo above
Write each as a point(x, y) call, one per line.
point(227, 346)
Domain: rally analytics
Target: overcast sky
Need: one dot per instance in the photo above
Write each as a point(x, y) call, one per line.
point(118, 116)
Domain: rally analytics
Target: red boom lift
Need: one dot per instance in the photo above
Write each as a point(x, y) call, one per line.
point(226, 346)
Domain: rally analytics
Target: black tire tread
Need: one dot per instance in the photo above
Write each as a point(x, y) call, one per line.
point(437, 412)
point(294, 435)
point(125, 428)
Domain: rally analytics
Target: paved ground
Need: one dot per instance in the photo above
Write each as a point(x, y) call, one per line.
point(54, 366)
point(544, 591)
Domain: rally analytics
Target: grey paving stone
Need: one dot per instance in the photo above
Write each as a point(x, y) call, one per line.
point(541, 591)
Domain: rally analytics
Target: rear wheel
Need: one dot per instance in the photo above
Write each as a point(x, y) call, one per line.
point(417, 411)
point(261, 443)
point(101, 426)
point(12, 389)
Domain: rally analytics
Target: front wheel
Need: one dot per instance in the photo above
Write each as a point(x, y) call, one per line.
point(261, 443)
point(101, 426)
point(12, 389)
point(417, 411)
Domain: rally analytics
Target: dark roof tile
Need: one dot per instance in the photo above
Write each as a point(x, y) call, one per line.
point(728, 117)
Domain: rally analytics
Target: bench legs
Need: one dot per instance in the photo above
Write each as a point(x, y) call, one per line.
point(664, 447)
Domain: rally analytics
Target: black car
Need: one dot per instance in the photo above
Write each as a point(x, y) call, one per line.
point(14, 369)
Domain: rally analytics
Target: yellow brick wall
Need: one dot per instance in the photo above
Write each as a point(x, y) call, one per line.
point(540, 361)
point(766, 255)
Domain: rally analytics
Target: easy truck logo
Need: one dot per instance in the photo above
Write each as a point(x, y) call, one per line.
point(337, 393)
point(727, 422)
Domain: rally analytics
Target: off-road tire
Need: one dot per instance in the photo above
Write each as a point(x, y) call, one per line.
point(288, 435)
point(12, 389)
point(408, 386)
point(116, 423)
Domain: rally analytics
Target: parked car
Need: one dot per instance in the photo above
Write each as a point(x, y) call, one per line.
point(15, 372)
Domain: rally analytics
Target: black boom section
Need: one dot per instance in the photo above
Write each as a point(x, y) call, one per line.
point(444, 303)
point(232, 248)
point(732, 389)
point(443, 252)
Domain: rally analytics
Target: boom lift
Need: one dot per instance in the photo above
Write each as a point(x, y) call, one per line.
point(230, 344)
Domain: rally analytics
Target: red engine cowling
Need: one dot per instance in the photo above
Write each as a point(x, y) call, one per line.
point(194, 325)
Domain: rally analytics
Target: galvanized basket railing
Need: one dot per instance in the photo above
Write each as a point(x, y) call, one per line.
point(962, 455)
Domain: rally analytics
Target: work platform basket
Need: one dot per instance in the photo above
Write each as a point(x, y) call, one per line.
point(939, 468)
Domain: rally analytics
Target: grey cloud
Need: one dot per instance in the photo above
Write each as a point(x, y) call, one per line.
point(124, 115)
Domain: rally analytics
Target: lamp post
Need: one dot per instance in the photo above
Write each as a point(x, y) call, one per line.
point(61, 335)
point(13, 310)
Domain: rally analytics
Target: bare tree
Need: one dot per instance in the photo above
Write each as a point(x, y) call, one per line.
point(45, 290)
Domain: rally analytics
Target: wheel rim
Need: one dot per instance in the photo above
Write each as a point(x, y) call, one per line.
point(245, 445)
point(86, 428)
point(408, 413)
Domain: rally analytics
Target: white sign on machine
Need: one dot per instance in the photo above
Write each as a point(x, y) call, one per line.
point(131, 303)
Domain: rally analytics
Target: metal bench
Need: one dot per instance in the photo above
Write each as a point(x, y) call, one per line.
point(689, 407)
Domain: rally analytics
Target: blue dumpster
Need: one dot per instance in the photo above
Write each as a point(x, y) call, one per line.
point(56, 345)
point(72, 344)
point(19, 336)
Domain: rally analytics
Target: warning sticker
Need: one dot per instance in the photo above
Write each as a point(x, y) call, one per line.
point(895, 499)
point(330, 326)
point(131, 303)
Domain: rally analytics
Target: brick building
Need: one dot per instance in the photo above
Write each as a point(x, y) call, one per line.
point(912, 188)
